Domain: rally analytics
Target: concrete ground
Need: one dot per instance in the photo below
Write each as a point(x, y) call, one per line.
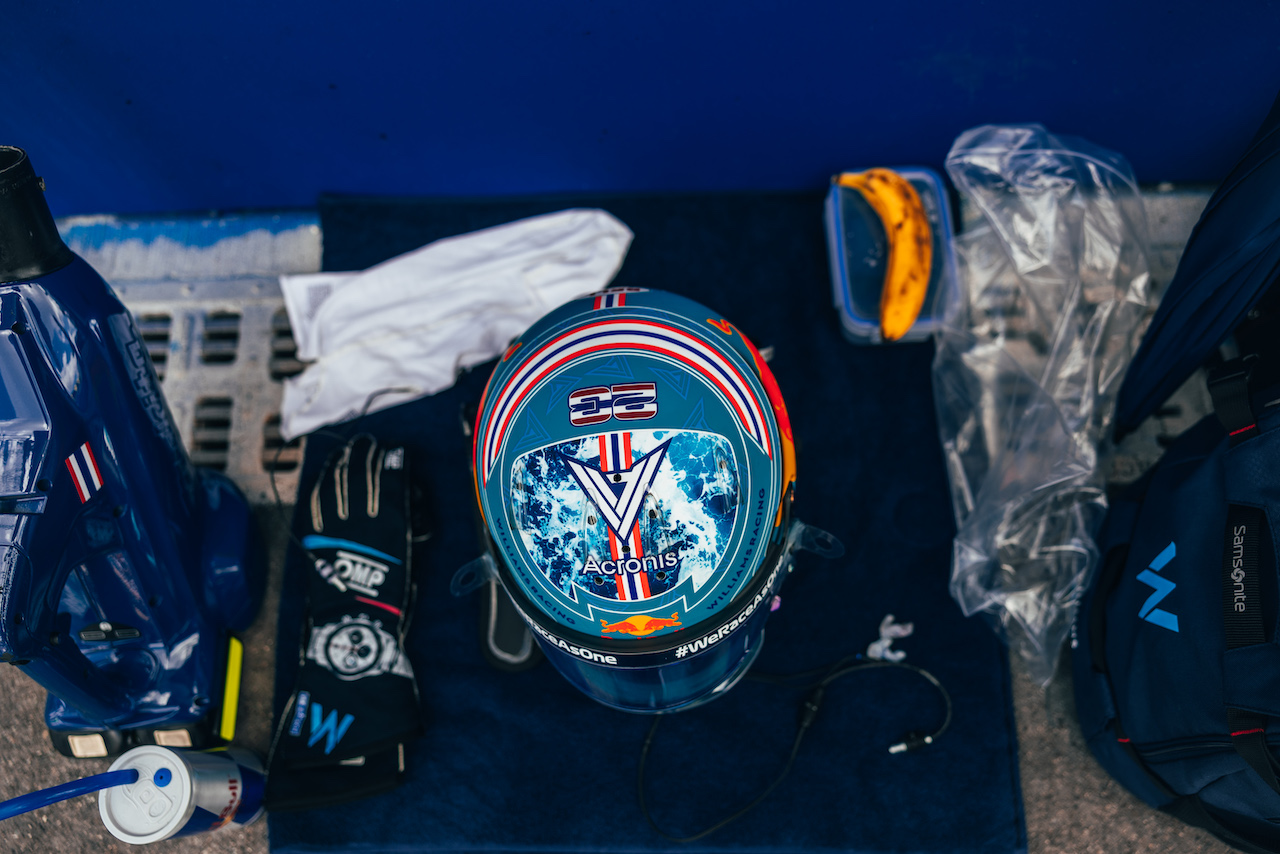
point(1072, 806)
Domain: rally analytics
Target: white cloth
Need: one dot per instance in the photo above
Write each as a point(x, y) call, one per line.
point(407, 326)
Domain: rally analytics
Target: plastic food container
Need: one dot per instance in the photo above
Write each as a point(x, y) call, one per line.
point(858, 251)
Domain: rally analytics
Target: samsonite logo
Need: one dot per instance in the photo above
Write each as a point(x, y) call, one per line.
point(1238, 597)
point(1163, 587)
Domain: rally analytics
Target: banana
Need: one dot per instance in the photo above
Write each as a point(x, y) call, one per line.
point(910, 260)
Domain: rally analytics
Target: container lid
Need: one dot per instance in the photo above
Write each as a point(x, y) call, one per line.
point(858, 253)
point(158, 805)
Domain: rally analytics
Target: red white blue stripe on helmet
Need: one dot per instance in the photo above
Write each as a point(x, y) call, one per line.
point(621, 335)
point(614, 297)
point(609, 301)
point(615, 455)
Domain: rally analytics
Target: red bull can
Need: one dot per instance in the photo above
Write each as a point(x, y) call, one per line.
point(182, 792)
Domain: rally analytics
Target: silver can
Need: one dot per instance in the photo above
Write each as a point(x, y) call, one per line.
point(181, 792)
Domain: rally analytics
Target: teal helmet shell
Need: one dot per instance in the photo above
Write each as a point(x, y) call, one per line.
point(634, 465)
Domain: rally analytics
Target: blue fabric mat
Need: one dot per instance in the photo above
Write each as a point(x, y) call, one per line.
point(525, 763)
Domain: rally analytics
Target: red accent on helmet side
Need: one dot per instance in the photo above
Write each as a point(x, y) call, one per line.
point(784, 424)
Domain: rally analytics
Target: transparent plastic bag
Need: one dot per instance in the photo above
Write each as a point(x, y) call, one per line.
point(1056, 280)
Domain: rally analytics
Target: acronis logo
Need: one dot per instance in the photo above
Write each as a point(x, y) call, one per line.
point(1162, 588)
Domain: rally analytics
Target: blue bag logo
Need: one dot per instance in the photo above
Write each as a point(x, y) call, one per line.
point(1163, 587)
point(327, 727)
point(300, 713)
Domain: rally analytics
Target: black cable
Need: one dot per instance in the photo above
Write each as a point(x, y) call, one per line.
point(788, 678)
point(911, 740)
point(808, 712)
point(644, 809)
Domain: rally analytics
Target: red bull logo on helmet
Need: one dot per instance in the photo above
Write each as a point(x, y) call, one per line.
point(640, 625)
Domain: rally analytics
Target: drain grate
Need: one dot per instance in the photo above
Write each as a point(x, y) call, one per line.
point(155, 330)
point(211, 438)
point(278, 455)
point(284, 351)
point(212, 316)
point(221, 338)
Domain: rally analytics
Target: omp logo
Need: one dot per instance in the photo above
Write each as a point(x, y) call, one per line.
point(360, 573)
point(1163, 587)
point(327, 727)
point(358, 566)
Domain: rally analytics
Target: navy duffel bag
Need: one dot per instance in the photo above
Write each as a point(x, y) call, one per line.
point(1175, 649)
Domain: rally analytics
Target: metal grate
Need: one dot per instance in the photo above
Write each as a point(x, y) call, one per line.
point(154, 329)
point(211, 312)
point(284, 351)
point(221, 338)
point(211, 437)
point(278, 455)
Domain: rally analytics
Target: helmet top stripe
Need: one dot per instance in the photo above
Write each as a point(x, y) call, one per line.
point(623, 335)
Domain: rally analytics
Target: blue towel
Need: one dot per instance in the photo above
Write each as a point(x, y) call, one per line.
point(523, 762)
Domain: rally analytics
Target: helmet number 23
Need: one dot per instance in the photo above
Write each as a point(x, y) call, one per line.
point(625, 401)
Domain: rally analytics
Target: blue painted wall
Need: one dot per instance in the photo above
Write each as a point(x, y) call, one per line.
point(152, 106)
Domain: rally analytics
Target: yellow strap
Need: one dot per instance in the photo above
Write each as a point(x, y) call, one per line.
point(231, 693)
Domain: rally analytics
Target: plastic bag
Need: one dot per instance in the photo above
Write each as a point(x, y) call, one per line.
point(1025, 380)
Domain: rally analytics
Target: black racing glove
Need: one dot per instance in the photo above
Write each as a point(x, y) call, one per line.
point(355, 701)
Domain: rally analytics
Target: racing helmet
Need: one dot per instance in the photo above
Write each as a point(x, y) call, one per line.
point(634, 468)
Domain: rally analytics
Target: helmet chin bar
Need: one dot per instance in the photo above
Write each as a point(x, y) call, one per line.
point(648, 652)
point(671, 672)
point(666, 673)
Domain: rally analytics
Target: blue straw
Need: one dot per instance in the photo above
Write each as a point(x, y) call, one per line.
point(44, 797)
